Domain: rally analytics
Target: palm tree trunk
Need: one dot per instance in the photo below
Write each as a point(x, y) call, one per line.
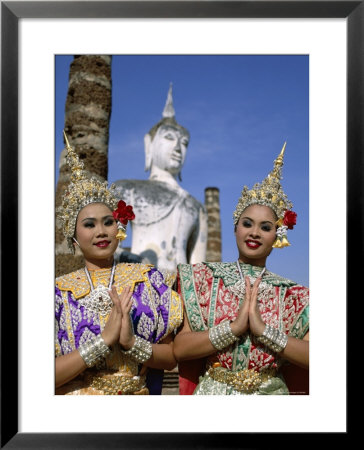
point(87, 118)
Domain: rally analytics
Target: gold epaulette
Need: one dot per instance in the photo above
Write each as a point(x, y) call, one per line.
point(125, 275)
point(169, 277)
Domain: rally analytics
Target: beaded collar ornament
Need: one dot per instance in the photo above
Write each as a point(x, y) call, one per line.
point(99, 300)
point(238, 288)
point(270, 193)
point(80, 192)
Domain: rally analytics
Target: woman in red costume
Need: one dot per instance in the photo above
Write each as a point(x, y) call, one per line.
point(244, 324)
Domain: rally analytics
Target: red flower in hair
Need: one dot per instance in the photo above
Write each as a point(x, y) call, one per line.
point(123, 213)
point(289, 219)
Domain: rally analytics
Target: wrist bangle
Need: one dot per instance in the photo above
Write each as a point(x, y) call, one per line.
point(141, 351)
point(221, 335)
point(92, 351)
point(273, 338)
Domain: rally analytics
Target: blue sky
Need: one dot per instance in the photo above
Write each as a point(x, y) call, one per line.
point(239, 110)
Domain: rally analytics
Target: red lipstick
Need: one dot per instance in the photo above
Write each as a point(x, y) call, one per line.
point(253, 244)
point(102, 244)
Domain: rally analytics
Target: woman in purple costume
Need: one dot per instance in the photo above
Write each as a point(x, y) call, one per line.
point(113, 321)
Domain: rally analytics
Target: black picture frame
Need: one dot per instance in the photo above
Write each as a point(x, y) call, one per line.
point(11, 12)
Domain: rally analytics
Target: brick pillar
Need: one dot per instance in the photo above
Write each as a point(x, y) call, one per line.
point(212, 204)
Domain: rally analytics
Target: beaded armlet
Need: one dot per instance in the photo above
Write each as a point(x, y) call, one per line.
point(92, 351)
point(141, 351)
point(221, 335)
point(273, 338)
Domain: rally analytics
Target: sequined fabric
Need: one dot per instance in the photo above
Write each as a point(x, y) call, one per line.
point(213, 292)
point(208, 386)
point(155, 313)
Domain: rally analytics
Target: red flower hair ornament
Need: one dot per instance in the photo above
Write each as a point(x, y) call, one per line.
point(286, 223)
point(122, 214)
point(289, 219)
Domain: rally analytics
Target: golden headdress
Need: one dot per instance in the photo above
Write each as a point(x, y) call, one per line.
point(270, 193)
point(80, 192)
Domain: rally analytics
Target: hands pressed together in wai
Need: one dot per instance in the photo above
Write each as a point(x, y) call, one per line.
point(249, 317)
point(119, 327)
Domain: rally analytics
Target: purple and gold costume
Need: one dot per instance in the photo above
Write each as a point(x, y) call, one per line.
point(156, 312)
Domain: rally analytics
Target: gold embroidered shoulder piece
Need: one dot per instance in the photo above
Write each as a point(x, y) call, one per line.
point(76, 282)
point(176, 312)
point(130, 274)
point(169, 277)
point(125, 275)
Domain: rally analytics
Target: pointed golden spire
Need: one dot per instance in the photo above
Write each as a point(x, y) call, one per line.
point(74, 162)
point(66, 139)
point(278, 163)
point(279, 160)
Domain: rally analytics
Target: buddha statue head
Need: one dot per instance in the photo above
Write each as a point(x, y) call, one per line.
point(166, 143)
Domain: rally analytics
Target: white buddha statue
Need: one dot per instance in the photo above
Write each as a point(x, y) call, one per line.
point(170, 226)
